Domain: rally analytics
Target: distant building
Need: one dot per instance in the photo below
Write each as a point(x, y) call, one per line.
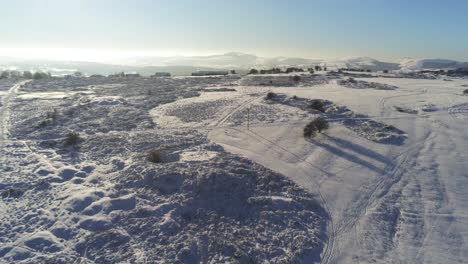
point(132, 75)
point(208, 73)
point(162, 74)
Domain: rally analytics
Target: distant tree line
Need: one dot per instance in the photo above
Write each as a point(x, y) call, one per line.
point(287, 70)
point(25, 74)
point(355, 70)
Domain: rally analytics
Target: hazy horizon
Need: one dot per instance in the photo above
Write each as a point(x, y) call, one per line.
point(106, 30)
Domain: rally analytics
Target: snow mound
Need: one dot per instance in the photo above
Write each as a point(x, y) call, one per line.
point(359, 84)
point(359, 123)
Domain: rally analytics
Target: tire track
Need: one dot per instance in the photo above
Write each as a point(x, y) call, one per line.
point(457, 110)
point(241, 106)
point(329, 247)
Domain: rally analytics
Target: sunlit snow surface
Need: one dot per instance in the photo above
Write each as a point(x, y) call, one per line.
point(237, 182)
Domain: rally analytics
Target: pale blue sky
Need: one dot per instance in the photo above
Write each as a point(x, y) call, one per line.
point(384, 29)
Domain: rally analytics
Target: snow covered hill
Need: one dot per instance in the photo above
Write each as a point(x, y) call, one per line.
point(420, 64)
point(366, 63)
point(185, 65)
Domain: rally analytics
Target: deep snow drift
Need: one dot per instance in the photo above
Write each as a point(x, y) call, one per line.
point(236, 181)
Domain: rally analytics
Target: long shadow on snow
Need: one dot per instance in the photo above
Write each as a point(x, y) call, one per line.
point(358, 149)
point(346, 155)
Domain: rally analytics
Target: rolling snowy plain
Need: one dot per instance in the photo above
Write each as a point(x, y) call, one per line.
point(237, 181)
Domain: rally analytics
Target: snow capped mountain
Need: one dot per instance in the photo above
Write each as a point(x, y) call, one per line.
point(226, 60)
point(184, 65)
point(419, 64)
point(363, 63)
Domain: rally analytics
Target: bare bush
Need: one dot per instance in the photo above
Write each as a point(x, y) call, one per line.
point(270, 96)
point(155, 156)
point(72, 139)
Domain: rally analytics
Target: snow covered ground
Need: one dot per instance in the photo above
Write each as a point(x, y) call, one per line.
point(237, 181)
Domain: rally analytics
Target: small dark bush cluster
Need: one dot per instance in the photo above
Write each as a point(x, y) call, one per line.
point(317, 105)
point(270, 96)
point(50, 118)
point(317, 125)
point(155, 156)
point(253, 71)
point(72, 139)
point(465, 91)
point(41, 75)
point(296, 78)
point(12, 193)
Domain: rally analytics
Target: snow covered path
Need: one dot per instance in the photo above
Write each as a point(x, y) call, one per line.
point(4, 109)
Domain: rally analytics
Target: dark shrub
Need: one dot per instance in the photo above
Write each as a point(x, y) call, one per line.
point(270, 96)
point(253, 71)
point(296, 78)
point(72, 139)
point(317, 125)
point(317, 105)
point(320, 123)
point(155, 156)
point(465, 91)
point(310, 130)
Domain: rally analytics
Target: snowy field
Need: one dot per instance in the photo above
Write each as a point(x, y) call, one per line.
point(236, 181)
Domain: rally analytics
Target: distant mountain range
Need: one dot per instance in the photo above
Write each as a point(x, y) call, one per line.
point(184, 65)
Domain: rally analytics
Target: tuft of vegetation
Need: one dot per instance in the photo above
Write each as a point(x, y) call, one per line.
point(50, 118)
point(317, 105)
point(315, 126)
point(270, 96)
point(465, 91)
point(155, 156)
point(72, 139)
